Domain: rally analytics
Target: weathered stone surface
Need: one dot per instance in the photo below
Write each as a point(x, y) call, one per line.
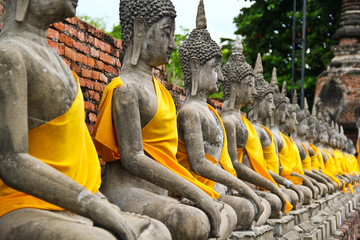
point(282, 226)
point(264, 232)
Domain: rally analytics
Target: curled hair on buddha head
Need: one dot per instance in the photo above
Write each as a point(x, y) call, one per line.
point(197, 45)
point(150, 11)
point(262, 87)
point(279, 97)
point(236, 68)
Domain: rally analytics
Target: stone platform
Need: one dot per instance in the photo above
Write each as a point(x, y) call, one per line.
point(334, 217)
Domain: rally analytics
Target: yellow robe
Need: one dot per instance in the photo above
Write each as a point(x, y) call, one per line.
point(271, 158)
point(257, 156)
point(314, 158)
point(289, 160)
point(255, 152)
point(224, 160)
point(306, 163)
point(324, 169)
point(65, 144)
point(160, 139)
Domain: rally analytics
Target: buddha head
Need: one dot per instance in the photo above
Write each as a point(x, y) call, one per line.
point(321, 129)
point(302, 117)
point(281, 105)
point(263, 106)
point(148, 30)
point(40, 13)
point(200, 58)
point(238, 83)
point(291, 121)
point(332, 136)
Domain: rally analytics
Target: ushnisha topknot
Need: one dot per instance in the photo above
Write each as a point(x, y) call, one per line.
point(236, 68)
point(150, 10)
point(198, 44)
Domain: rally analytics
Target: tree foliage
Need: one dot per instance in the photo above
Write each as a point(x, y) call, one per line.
point(100, 23)
point(267, 28)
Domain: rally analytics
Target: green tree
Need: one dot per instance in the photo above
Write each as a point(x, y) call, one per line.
point(267, 28)
point(173, 69)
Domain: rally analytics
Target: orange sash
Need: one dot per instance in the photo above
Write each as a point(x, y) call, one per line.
point(271, 158)
point(65, 144)
point(306, 163)
point(159, 136)
point(288, 160)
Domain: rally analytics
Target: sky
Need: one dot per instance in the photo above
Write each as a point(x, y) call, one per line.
point(220, 14)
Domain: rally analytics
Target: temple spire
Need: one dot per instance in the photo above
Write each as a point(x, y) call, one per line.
point(349, 20)
point(274, 77)
point(201, 22)
point(258, 65)
point(295, 100)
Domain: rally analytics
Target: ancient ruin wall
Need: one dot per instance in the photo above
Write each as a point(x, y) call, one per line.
point(94, 56)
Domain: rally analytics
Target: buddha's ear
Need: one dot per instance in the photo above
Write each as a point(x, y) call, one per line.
point(139, 34)
point(195, 74)
point(22, 7)
point(232, 95)
point(255, 110)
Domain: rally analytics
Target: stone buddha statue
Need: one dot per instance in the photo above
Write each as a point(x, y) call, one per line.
point(299, 137)
point(357, 119)
point(136, 133)
point(202, 137)
point(248, 156)
point(284, 124)
point(49, 168)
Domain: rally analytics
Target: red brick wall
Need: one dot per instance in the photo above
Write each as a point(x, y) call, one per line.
point(94, 56)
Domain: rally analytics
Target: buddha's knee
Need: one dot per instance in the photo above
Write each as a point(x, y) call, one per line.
point(245, 210)
point(185, 222)
point(324, 189)
point(274, 201)
point(293, 198)
point(265, 214)
point(308, 195)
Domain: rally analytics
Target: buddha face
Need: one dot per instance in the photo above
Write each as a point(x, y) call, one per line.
point(52, 11)
point(333, 141)
point(159, 42)
point(291, 122)
point(266, 106)
point(324, 137)
point(245, 90)
point(210, 74)
point(281, 113)
point(302, 128)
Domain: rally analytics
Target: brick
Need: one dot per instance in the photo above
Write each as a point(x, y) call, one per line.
point(99, 86)
point(82, 25)
point(81, 36)
point(99, 65)
point(94, 53)
point(106, 58)
point(115, 52)
point(118, 43)
point(81, 58)
point(73, 20)
point(95, 75)
point(86, 73)
point(103, 78)
point(92, 117)
point(89, 84)
point(90, 40)
point(111, 69)
point(91, 62)
point(80, 46)
point(59, 26)
point(118, 63)
point(70, 54)
point(65, 39)
point(92, 95)
point(60, 49)
point(71, 30)
point(96, 32)
point(76, 68)
point(82, 81)
point(89, 106)
point(52, 34)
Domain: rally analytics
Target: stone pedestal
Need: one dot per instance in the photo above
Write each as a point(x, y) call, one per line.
point(282, 226)
point(313, 209)
point(258, 233)
point(300, 215)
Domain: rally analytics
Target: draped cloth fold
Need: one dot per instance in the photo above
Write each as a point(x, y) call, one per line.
point(65, 144)
point(159, 136)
